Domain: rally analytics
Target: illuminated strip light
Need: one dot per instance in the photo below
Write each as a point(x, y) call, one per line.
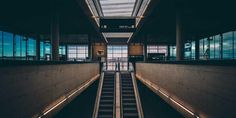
point(149, 83)
point(69, 96)
point(105, 37)
point(139, 19)
point(88, 4)
point(130, 37)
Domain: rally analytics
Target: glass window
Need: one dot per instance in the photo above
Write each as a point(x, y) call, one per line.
point(7, 44)
point(187, 52)
point(23, 47)
point(228, 45)
point(42, 50)
point(157, 49)
point(235, 45)
point(77, 52)
point(172, 52)
point(117, 51)
point(47, 48)
point(31, 49)
point(201, 49)
point(62, 50)
point(212, 48)
point(1, 43)
point(18, 46)
point(217, 46)
point(193, 49)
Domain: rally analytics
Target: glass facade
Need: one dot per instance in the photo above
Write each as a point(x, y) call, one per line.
point(17, 47)
point(157, 49)
point(31, 47)
point(217, 47)
point(1, 44)
point(235, 45)
point(7, 45)
point(193, 49)
point(187, 51)
point(117, 53)
point(228, 45)
point(172, 52)
point(77, 52)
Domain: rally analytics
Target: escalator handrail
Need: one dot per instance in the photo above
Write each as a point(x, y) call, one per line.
point(137, 97)
point(99, 92)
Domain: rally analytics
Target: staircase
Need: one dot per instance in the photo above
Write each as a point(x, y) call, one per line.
point(107, 99)
point(128, 100)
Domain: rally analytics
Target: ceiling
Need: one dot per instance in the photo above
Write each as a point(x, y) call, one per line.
point(201, 18)
point(34, 17)
point(117, 8)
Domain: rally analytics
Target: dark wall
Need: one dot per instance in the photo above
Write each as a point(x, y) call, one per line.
point(28, 90)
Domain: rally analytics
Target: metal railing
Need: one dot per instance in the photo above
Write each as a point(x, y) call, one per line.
point(99, 92)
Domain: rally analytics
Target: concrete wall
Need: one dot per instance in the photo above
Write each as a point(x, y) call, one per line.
point(208, 91)
point(27, 90)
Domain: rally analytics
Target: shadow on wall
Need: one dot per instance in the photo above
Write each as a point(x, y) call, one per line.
point(154, 106)
point(82, 106)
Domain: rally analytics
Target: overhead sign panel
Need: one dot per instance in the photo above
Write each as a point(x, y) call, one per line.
point(117, 25)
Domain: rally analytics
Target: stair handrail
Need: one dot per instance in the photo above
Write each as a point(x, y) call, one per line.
point(137, 97)
point(99, 92)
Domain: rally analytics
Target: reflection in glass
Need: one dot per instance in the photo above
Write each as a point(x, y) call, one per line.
point(228, 45)
point(7, 44)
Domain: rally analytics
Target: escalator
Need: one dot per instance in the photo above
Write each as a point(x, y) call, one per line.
point(106, 106)
point(128, 97)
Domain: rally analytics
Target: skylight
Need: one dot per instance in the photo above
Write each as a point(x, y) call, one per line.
point(117, 7)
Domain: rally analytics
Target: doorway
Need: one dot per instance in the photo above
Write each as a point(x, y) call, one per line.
point(117, 54)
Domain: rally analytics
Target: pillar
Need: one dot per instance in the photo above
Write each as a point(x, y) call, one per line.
point(179, 37)
point(90, 48)
point(197, 49)
point(38, 48)
point(55, 34)
point(145, 49)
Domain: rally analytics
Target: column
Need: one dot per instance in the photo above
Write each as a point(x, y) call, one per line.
point(179, 37)
point(197, 49)
point(90, 53)
point(55, 34)
point(38, 48)
point(145, 49)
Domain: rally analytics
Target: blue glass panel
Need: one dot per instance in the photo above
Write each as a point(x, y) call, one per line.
point(47, 48)
point(228, 45)
point(23, 47)
point(212, 48)
point(193, 49)
point(42, 51)
point(217, 46)
point(1, 44)
point(7, 44)
point(31, 47)
point(187, 51)
point(172, 52)
point(235, 45)
point(18, 46)
point(201, 49)
point(62, 50)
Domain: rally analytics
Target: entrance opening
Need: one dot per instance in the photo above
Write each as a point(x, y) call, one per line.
point(117, 57)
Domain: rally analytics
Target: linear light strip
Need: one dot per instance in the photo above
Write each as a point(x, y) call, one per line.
point(149, 83)
point(88, 4)
point(69, 96)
